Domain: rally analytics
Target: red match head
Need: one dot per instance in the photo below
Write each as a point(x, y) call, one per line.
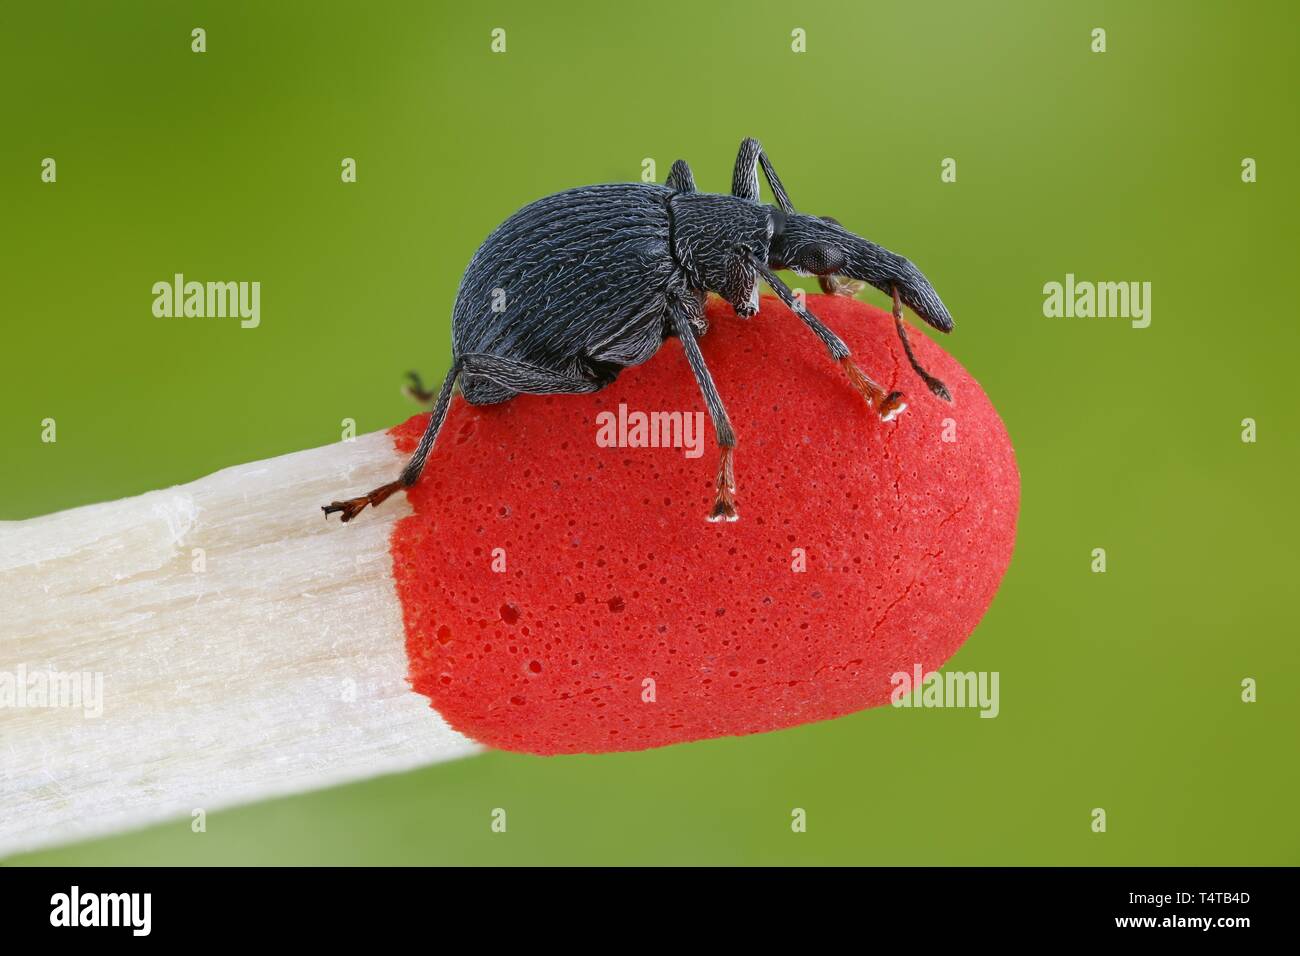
point(562, 596)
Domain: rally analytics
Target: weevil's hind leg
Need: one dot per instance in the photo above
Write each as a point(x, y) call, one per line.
point(351, 507)
point(724, 504)
point(680, 178)
point(528, 379)
point(935, 385)
point(744, 178)
point(888, 406)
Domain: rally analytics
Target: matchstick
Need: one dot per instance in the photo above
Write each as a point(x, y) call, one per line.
point(236, 645)
point(545, 587)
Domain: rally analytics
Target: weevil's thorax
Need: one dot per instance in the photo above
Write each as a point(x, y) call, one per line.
point(714, 238)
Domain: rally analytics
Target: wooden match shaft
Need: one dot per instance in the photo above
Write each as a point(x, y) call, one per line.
point(245, 648)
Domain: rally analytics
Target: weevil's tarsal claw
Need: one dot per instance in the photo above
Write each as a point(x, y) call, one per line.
point(888, 407)
point(724, 511)
point(892, 406)
point(352, 507)
point(724, 505)
point(939, 389)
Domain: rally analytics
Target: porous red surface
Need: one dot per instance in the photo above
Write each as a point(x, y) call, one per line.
point(613, 575)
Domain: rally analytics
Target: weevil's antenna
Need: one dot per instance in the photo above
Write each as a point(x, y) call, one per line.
point(774, 183)
point(934, 384)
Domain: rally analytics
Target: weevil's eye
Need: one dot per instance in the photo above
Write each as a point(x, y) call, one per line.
point(826, 259)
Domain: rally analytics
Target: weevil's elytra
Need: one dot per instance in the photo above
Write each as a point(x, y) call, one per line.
point(577, 286)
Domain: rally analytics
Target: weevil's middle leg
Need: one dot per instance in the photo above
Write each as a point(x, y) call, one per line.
point(724, 503)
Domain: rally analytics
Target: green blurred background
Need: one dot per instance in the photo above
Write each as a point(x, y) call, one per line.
point(1118, 690)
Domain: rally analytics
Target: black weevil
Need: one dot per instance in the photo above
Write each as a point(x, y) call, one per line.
point(575, 287)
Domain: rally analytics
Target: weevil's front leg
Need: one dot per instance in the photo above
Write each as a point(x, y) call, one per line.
point(724, 504)
point(888, 406)
point(934, 384)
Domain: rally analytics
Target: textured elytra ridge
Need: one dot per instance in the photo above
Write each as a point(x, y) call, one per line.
point(614, 578)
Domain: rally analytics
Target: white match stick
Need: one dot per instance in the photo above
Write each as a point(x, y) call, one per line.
point(238, 645)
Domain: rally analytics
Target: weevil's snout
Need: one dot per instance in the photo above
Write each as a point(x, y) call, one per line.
point(919, 296)
point(816, 245)
point(888, 271)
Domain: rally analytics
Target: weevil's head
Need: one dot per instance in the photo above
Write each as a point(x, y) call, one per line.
point(718, 239)
point(815, 245)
